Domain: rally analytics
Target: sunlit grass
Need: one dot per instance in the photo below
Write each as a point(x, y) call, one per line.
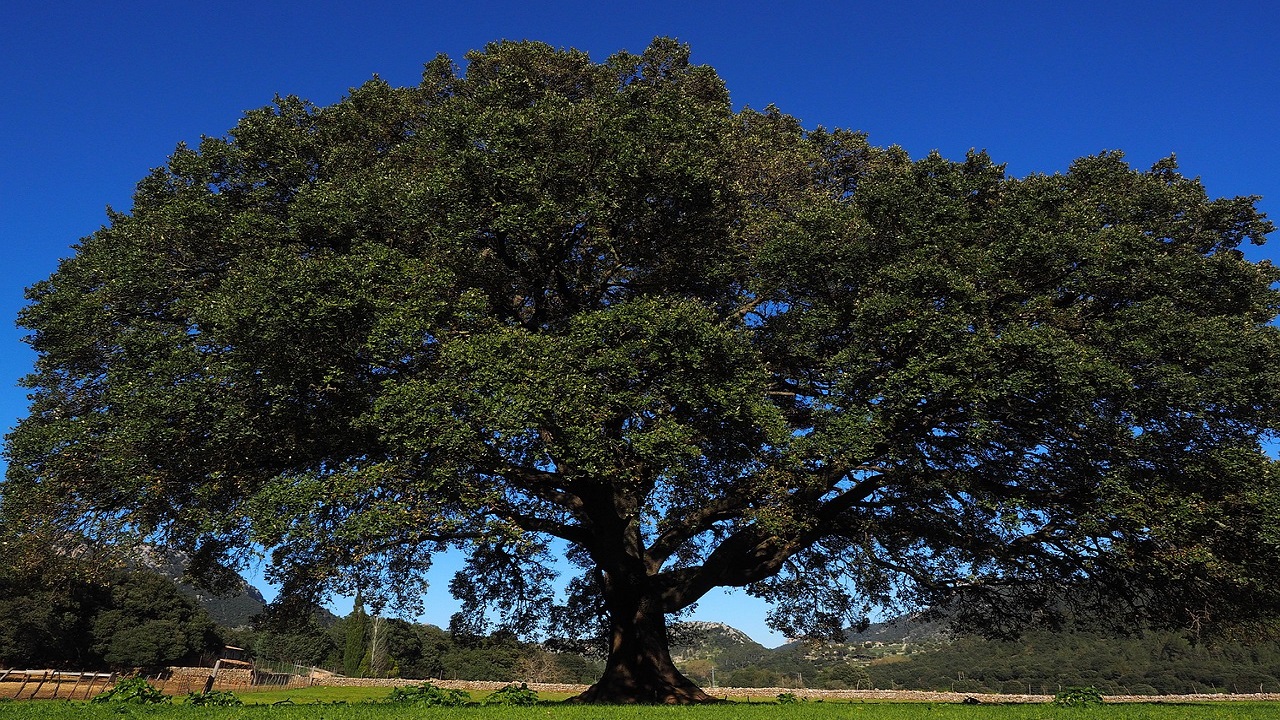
point(322, 708)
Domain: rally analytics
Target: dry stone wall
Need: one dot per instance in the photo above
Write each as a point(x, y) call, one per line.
point(241, 679)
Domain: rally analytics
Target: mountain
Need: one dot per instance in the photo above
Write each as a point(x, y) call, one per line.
point(723, 644)
point(234, 608)
point(905, 629)
point(698, 637)
point(898, 636)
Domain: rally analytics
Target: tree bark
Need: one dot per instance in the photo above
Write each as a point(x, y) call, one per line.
point(639, 669)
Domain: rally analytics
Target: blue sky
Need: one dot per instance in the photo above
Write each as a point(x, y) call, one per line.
point(96, 93)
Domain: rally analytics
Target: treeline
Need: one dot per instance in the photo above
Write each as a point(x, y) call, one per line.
point(76, 618)
point(710, 654)
point(69, 615)
point(363, 646)
point(1150, 663)
point(1153, 662)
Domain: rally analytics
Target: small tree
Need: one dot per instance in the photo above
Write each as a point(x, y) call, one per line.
point(353, 652)
point(538, 666)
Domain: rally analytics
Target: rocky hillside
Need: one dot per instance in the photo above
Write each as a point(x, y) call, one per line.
point(713, 640)
point(233, 609)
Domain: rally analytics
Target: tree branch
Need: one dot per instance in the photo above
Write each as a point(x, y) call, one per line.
point(549, 486)
point(691, 524)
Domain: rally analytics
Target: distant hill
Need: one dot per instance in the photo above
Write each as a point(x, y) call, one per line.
point(234, 609)
point(729, 647)
point(699, 639)
point(894, 637)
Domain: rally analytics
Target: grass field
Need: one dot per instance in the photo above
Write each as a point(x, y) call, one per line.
point(350, 695)
point(317, 709)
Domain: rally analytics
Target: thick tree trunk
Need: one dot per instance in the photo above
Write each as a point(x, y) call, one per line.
point(639, 669)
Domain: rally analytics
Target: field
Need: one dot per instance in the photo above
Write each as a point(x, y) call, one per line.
point(313, 705)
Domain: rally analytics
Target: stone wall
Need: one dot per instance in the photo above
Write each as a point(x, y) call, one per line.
point(181, 680)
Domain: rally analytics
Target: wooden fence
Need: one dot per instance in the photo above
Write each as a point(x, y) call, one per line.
point(176, 681)
point(52, 684)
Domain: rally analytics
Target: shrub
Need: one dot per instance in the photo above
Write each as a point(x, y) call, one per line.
point(428, 695)
point(512, 695)
point(213, 698)
point(1078, 697)
point(788, 698)
point(133, 690)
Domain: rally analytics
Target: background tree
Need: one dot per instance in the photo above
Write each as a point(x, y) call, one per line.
point(842, 676)
point(299, 639)
point(150, 623)
point(46, 613)
point(66, 613)
point(553, 299)
point(355, 634)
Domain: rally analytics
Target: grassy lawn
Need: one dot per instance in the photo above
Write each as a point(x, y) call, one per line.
point(322, 709)
point(322, 694)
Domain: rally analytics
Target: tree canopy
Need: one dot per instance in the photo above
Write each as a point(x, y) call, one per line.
point(62, 614)
point(548, 305)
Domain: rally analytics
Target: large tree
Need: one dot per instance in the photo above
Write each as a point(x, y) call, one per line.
point(549, 306)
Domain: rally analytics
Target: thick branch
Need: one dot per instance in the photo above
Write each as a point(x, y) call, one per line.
point(751, 554)
point(833, 508)
point(690, 524)
point(747, 556)
point(531, 523)
point(549, 486)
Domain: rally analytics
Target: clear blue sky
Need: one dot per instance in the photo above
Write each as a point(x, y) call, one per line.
point(95, 93)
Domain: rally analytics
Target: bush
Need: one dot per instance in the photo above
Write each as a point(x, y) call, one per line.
point(788, 698)
point(213, 698)
point(428, 695)
point(1078, 697)
point(512, 695)
point(133, 690)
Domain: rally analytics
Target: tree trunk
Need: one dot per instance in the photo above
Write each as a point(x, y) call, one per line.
point(639, 669)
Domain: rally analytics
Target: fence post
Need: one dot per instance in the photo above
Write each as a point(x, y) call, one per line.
point(44, 677)
point(26, 678)
point(57, 683)
point(93, 679)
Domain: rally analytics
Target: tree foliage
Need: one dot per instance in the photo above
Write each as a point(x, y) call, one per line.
point(66, 614)
point(553, 299)
point(355, 631)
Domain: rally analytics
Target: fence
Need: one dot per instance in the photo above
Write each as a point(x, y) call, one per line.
point(71, 685)
point(182, 680)
point(52, 684)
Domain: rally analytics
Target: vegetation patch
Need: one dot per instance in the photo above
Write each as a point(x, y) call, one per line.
point(429, 695)
point(1078, 697)
point(134, 691)
point(513, 695)
point(213, 698)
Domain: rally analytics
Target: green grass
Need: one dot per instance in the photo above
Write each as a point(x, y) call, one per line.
point(317, 694)
point(320, 694)
point(62, 710)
